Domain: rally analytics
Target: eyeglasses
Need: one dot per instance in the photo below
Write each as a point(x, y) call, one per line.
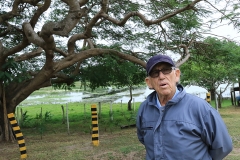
point(155, 73)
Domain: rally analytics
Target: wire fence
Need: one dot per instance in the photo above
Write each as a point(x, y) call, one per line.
point(110, 115)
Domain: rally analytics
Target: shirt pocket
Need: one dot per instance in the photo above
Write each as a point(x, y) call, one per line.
point(147, 128)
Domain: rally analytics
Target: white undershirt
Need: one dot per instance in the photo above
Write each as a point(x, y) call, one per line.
point(158, 102)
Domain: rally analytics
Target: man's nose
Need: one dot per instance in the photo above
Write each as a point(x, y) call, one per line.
point(161, 75)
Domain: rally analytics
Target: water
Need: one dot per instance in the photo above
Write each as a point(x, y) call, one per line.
point(198, 91)
point(139, 95)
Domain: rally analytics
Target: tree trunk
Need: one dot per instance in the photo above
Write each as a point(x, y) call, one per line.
point(130, 101)
point(6, 133)
point(5, 119)
point(219, 101)
point(1, 134)
point(239, 85)
point(85, 85)
point(212, 91)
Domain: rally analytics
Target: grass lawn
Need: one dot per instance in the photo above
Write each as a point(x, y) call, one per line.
point(47, 136)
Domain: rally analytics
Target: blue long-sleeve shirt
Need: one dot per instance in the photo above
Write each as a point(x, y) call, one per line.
point(187, 128)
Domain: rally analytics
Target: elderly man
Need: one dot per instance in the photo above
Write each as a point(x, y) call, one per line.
point(175, 125)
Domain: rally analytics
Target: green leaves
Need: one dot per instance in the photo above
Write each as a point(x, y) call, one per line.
point(5, 75)
point(215, 62)
point(7, 69)
point(12, 71)
point(109, 70)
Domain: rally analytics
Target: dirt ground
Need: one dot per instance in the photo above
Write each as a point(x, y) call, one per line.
point(122, 145)
point(119, 145)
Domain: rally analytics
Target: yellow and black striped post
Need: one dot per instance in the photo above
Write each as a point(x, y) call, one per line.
point(208, 97)
point(19, 135)
point(95, 136)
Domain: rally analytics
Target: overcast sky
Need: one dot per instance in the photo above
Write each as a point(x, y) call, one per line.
point(227, 31)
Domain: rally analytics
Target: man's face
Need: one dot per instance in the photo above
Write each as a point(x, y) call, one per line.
point(164, 83)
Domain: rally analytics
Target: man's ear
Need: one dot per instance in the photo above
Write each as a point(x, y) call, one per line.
point(148, 82)
point(178, 74)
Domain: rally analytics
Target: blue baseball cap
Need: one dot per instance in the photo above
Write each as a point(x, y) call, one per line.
point(158, 59)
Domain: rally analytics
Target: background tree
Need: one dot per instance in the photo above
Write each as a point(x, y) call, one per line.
point(108, 70)
point(46, 42)
point(213, 63)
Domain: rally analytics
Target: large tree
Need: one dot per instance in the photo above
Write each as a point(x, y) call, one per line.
point(213, 63)
point(45, 42)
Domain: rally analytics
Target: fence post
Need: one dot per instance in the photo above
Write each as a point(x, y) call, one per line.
point(121, 104)
point(111, 112)
point(133, 104)
point(84, 106)
point(208, 97)
point(41, 123)
point(95, 134)
point(19, 135)
point(99, 110)
point(216, 101)
point(67, 118)
point(63, 118)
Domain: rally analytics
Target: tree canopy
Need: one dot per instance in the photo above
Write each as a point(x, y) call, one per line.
point(111, 71)
point(213, 63)
point(47, 42)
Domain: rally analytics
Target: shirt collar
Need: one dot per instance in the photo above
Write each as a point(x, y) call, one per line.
point(158, 102)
